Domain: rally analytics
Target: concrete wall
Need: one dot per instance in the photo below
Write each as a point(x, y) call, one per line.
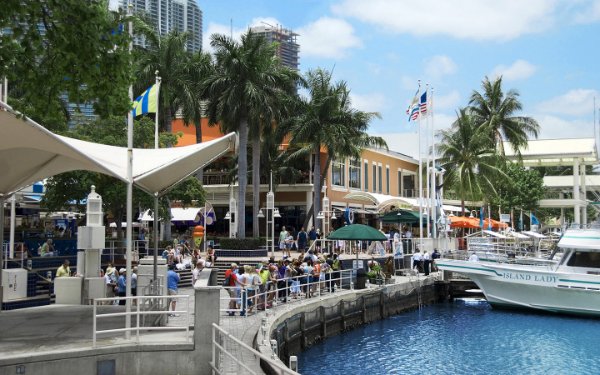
point(149, 359)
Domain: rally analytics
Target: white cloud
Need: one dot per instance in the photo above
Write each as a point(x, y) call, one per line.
point(553, 127)
point(449, 101)
point(327, 37)
point(520, 69)
point(374, 102)
point(575, 103)
point(463, 19)
point(439, 66)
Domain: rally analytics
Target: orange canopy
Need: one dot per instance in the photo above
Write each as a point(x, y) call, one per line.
point(464, 222)
point(495, 224)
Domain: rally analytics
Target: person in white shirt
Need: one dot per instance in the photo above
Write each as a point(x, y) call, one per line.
point(473, 258)
point(196, 272)
point(397, 244)
point(426, 262)
point(416, 261)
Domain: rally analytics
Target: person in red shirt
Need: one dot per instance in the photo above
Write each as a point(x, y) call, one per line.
point(231, 275)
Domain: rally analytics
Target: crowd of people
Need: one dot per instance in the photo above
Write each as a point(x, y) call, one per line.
point(269, 282)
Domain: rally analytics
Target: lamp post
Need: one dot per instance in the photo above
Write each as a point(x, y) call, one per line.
point(272, 213)
point(326, 215)
point(230, 215)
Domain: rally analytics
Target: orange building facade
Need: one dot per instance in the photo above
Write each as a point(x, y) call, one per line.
point(378, 175)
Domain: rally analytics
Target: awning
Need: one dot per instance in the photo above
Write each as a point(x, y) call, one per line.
point(177, 214)
point(494, 234)
point(382, 201)
point(29, 153)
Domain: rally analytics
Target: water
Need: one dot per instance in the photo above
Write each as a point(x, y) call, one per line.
point(464, 337)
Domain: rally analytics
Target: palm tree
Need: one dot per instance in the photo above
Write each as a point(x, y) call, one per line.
point(327, 119)
point(470, 160)
point(243, 89)
point(494, 112)
point(180, 72)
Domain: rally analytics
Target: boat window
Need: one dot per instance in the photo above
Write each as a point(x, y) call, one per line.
point(584, 259)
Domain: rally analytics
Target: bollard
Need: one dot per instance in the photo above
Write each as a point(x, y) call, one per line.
point(293, 363)
point(274, 349)
point(263, 329)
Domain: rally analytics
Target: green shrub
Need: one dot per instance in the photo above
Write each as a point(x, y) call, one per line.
point(240, 244)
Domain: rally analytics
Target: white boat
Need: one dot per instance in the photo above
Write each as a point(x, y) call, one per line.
point(570, 285)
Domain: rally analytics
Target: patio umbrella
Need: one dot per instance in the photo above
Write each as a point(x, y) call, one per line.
point(357, 232)
point(401, 216)
point(495, 224)
point(464, 222)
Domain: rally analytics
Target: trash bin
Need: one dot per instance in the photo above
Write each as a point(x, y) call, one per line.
point(361, 279)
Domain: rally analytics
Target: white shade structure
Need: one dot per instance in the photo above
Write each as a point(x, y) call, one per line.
point(29, 153)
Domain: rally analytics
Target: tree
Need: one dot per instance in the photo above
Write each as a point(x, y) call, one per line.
point(180, 71)
point(472, 165)
point(327, 119)
point(46, 56)
point(494, 112)
point(245, 83)
point(522, 189)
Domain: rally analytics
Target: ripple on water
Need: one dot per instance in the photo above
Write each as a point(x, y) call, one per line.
point(461, 338)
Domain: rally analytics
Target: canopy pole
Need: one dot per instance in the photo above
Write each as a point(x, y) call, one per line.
point(155, 229)
point(129, 193)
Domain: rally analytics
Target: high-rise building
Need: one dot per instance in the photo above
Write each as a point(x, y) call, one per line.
point(172, 15)
point(287, 49)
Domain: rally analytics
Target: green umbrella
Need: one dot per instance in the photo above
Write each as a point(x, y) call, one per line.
point(357, 232)
point(400, 216)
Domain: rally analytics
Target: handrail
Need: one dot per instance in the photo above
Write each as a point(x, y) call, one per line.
point(308, 286)
point(137, 313)
point(282, 369)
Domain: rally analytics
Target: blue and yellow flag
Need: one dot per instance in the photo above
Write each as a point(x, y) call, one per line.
point(147, 102)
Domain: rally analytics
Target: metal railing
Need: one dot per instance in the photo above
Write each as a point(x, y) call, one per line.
point(220, 338)
point(142, 309)
point(282, 290)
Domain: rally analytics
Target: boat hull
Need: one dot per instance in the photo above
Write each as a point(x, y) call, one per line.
point(537, 288)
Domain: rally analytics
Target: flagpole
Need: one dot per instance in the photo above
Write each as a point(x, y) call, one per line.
point(433, 170)
point(427, 179)
point(155, 227)
point(129, 190)
point(420, 178)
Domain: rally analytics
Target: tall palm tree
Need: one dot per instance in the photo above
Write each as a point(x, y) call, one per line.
point(494, 112)
point(471, 161)
point(327, 120)
point(180, 72)
point(246, 81)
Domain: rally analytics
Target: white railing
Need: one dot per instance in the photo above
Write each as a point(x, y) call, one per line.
point(273, 292)
point(219, 347)
point(138, 313)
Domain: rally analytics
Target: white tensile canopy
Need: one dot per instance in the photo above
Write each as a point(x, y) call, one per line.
point(29, 153)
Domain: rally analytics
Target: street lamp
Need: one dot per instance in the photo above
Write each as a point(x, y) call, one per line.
point(272, 214)
point(325, 214)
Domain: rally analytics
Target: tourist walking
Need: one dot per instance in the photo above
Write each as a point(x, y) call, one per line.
point(426, 262)
point(302, 239)
point(231, 282)
point(122, 286)
point(282, 237)
point(416, 261)
point(435, 255)
point(172, 285)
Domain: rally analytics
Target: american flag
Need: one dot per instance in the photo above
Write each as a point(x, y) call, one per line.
point(423, 103)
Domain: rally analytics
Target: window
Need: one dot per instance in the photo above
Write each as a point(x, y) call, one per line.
point(409, 186)
point(366, 176)
point(387, 180)
point(374, 178)
point(380, 171)
point(338, 177)
point(354, 174)
point(584, 259)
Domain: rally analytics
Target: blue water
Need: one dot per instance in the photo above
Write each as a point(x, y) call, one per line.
point(463, 337)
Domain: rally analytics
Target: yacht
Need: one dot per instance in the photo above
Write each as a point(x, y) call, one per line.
point(568, 284)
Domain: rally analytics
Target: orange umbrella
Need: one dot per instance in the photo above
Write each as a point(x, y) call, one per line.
point(464, 222)
point(495, 224)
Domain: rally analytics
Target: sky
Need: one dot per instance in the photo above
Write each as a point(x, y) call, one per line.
point(546, 50)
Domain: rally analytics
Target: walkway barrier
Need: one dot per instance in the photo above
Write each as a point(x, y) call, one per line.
point(222, 341)
point(287, 290)
point(142, 307)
